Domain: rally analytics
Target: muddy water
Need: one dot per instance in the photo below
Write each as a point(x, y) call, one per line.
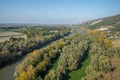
point(7, 72)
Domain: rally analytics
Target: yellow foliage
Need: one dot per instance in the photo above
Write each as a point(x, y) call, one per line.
point(36, 53)
point(30, 72)
point(102, 33)
point(30, 67)
point(94, 32)
point(107, 42)
point(100, 38)
point(21, 68)
point(52, 74)
point(42, 66)
point(23, 76)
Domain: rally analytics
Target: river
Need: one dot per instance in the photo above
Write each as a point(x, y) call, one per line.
point(7, 72)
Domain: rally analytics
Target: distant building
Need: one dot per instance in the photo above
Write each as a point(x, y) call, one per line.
point(54, 31)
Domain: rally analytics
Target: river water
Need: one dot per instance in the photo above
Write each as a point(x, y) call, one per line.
point(7, 72)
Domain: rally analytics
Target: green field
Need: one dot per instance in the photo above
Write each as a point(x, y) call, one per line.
point(80, 72)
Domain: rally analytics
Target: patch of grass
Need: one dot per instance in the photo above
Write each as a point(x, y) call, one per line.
point(80, 72)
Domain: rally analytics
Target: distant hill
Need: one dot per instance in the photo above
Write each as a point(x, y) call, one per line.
point(113, 21)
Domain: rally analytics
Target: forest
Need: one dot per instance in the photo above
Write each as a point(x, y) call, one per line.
point(61, 58)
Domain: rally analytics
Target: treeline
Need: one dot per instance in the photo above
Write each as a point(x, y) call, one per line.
point(35, 31)
point(17, 47)
point(8, 28)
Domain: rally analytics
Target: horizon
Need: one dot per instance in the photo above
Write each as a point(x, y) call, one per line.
point(56, 11)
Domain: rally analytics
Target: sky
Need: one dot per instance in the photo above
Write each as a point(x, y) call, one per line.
point(56, 11)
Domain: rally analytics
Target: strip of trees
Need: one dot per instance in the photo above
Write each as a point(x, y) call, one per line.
point(39, 62)
point(13, 49)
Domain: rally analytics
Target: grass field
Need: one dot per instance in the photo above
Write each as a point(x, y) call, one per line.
point(80, 72)
point(7, 35)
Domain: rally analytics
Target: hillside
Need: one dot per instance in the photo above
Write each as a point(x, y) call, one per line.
point(103, 22)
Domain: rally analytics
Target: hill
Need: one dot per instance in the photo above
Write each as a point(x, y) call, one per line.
point(113, 21)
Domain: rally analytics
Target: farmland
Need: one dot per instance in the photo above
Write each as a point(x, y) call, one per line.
point(7, 35)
